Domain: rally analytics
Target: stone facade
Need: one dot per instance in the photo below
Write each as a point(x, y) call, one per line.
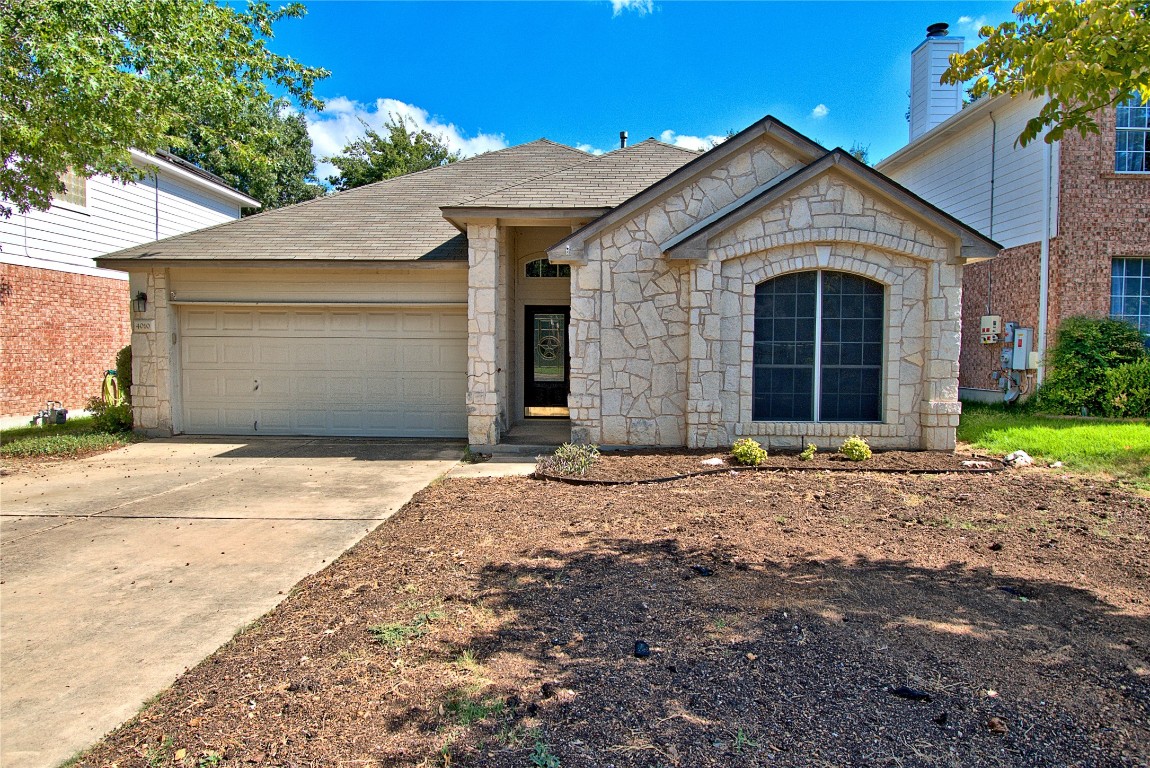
point(152, 355)
point(662, 348)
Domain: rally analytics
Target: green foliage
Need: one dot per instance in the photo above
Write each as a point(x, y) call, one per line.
point(76, 437)
point(1128, 390)
point(110, 418)
point(855, 448)
point(400, 633)
point(860, 152)
point(124, 373)
point(1083, 54)
point(570, 459)
point(466, 710)
point(87, 80)
point(808, 453)
point(269, 156)
point(395, 151)
point(541, 756)
point(748, 452)
point(1085, 349)
point(1121, 449)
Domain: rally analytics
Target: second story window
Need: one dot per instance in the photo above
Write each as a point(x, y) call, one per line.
point(1132, 151)
point(75, 189)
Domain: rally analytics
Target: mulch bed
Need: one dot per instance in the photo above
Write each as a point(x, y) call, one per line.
point(792, 618)
point(645, 465)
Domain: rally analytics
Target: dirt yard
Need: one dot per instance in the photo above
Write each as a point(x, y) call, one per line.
point(751, 619)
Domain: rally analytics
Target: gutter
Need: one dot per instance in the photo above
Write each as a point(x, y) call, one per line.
point(219, 190)
point(1044, 260)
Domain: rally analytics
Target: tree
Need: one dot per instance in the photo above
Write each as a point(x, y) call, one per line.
point(860, 152)
point(86, 80)
point(1084, 54)
point(270, 158)
point(395, 151)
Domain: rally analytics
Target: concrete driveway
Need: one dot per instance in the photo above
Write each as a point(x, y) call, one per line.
point(119, 572)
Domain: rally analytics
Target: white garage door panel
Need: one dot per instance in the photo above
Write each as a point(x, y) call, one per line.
point(324, 372)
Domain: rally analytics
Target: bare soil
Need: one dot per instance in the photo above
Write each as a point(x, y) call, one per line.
point(792, 619)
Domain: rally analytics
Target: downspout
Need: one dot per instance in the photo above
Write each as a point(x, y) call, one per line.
point(1044, 260)
point(156, 186)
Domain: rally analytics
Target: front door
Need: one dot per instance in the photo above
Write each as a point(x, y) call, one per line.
point(546, 361)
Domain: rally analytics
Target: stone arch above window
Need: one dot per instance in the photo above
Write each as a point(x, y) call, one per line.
point(818, 347)
point(544, 268)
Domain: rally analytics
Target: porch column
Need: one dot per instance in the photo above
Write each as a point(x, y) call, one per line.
point(483, 298)
point(153, 345)
point(940, 409)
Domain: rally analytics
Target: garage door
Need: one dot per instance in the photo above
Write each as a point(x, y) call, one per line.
point(323, 371)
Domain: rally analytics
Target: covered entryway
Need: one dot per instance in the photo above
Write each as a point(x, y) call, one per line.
point(355, 371)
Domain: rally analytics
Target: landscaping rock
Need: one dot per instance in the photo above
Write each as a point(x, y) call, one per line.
point(1018, 459)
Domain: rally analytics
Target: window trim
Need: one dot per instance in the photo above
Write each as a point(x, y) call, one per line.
point(817, 365)
point(1144, 293)
point(1120, 129)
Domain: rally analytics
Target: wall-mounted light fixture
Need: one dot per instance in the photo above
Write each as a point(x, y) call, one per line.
point(140, 303)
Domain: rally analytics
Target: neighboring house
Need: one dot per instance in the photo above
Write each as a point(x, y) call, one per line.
point(63, 318)
point(652, 296)
point(1073, 216)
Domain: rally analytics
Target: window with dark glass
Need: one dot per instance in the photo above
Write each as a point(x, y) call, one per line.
point(544, 268)
point(818, 348)
point(1132, 138)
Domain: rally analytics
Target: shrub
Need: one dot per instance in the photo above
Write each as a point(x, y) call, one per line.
point(748, 452)
point(124, 373)
point(1128, 390)
point(855, 448)
point(110, 418)
point(1085, 349)
point(570, 459)
point(808, 453)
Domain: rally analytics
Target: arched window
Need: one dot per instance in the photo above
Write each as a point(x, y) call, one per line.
point(818, 348)
point(544, 268)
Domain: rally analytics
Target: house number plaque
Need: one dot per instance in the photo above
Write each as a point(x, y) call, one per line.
point(143, 326)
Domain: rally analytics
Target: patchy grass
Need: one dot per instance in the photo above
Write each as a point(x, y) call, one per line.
point(400, 633)
point(1118, 448)
point(73, 439)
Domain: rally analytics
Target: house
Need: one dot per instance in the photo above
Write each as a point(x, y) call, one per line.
point(1073, 216)
point(650, 296)
point(63, 318)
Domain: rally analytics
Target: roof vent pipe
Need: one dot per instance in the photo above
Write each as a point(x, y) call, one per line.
point(622, 139)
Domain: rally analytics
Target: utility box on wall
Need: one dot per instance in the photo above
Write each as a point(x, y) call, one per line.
point(1020, 359)
point(990, 326)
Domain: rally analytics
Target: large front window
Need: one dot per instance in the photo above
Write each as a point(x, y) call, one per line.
point(1130, 292)
point(818, 348)
point(1132, 150)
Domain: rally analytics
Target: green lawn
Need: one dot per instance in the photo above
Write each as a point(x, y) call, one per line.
point(1118, 448)
point(76, 437)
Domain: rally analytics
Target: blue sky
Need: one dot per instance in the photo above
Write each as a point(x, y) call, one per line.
point(487, 75)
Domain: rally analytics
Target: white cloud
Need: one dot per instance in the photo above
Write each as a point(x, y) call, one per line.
point(339, 124)
point(819, 112)
point(697, 143)
point(971, 25)
point(641, 7)
point(589, 149)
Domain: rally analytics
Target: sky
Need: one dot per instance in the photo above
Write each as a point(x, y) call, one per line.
point(486, 75)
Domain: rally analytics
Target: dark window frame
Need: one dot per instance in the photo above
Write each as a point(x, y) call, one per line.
point(820, 351)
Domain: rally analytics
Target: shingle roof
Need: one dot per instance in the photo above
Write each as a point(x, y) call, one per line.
point(602, 181)
point(394, 220)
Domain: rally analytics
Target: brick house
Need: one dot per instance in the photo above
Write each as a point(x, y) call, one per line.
point(1073, 216)
point(63, 319)
point(650, 296)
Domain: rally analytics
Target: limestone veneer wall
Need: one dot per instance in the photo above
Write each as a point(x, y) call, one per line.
point(662, 350)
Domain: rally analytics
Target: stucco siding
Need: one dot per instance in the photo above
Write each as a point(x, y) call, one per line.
point(335, 286)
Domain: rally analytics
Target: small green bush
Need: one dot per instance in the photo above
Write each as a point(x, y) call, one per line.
point(1085, 349)
point(748, 452)
point(124, 373)
point(110, 418)
point(570, 459)
point(855, 448)
point(808, 453)
point(1128, 390)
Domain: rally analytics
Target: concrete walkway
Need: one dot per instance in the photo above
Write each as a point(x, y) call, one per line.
point(119, 572)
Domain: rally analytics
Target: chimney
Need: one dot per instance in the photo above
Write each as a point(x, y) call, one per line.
point(622, 139)
point(930, 101)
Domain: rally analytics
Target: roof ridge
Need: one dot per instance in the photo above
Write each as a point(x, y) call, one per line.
point(695, 152)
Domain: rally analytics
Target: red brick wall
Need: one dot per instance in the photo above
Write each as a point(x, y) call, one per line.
point(59, 332)
point(1101, 215)
point(1010, 284)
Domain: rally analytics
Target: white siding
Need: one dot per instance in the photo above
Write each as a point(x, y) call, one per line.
point(931, 102)
point(954, 174)
point(117, 216)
